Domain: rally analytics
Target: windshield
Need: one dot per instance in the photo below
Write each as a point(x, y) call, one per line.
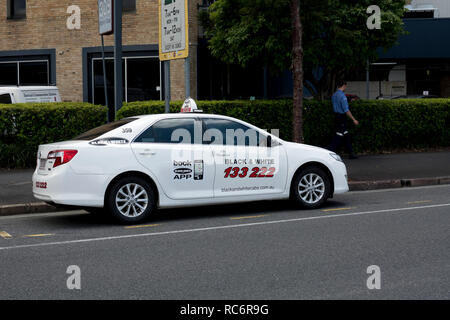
point(97, 132)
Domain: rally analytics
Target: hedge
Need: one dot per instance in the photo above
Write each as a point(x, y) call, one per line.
point(23, 127)
point(384, 124)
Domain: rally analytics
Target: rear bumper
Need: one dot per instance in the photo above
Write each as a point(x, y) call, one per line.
point(64, 187)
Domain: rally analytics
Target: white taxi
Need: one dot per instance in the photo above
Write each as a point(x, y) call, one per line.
point(133, 166)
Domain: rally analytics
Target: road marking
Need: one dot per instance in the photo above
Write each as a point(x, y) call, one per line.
point(20, 183)
point(142, 226)
point(243, 225)
point(337, 209)
point(28, 216)
point(418, 202)
point(249, 217)
point(38, 235)
point(5, 235)
point(440, 186)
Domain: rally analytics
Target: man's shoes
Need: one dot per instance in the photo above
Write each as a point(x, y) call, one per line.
point(353, 156)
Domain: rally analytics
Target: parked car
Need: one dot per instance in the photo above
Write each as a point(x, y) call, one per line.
point(27, 94)
point(352, 97)
point(416, 96)
point(133, 166)
point(387, 97)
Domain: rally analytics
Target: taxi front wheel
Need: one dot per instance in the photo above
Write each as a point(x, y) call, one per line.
point(131, 200)
point(311, 187)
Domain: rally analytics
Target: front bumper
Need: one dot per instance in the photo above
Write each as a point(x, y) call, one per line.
point(340, 178)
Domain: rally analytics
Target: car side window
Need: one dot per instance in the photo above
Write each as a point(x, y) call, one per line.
point(169, 131)
point(227, 132)
point(5, 98)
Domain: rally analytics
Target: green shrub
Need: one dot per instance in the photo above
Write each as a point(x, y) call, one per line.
point(384, 124)
point(23, 127)
point(267, 114)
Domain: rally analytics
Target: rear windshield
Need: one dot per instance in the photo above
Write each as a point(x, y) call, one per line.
point(97, 132)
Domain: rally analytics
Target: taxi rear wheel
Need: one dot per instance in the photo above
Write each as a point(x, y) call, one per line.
point(311, 187)
point(131, 200)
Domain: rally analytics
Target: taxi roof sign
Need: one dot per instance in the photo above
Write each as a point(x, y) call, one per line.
point(189, 105)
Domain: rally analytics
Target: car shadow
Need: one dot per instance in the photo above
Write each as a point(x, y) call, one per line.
point(90, 220)
point(234, 210)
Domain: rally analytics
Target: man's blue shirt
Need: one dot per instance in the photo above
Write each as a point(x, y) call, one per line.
point(340, 103)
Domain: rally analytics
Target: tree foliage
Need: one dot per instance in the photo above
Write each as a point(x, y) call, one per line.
point(242, 31)
point(336, 39)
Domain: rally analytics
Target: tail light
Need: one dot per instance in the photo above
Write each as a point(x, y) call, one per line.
point(61, 156)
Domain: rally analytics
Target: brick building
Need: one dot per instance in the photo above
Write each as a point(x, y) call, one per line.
point(37, 47)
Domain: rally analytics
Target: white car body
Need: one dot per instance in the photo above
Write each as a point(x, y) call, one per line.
point(30, 94)
point(182, 174)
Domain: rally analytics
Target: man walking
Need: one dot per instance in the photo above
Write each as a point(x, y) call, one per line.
point(341, 112)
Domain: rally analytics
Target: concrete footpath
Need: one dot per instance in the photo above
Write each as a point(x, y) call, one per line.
point(369, 172)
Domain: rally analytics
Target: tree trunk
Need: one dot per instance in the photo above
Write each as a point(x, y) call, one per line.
point(297, 70)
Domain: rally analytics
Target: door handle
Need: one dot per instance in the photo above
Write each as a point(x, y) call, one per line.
point(222, 153)
point(147, 152)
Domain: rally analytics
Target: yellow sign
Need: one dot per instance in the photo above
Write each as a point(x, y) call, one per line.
point(173, 29)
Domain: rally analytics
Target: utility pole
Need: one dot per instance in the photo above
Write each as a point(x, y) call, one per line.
point(187, 77)
point(118, 93)
point(173, 15)
point(167, 86)
point(368, 80)
point(106, 27)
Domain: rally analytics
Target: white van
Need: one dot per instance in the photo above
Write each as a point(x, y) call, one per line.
point(29, 94)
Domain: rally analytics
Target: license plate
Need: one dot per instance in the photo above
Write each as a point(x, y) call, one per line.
point(42, 163)
point(42, 185)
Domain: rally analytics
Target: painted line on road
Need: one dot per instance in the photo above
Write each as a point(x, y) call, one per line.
point(338, 209)
point(20, 183)
point(440, 186)
point(5, 235)
point(395, 210)
point(29, 216)
point(142, 226)
point(419, 202)
point(38, 235)
point(249, 217)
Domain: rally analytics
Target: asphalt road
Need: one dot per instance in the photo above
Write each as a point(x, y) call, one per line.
point(15, 185)
point(264, 250)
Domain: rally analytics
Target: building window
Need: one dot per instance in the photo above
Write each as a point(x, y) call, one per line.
point(128, 5)
point(418, 14)
point(33, 73)
point(9, 73)
point(141, 79)
point(17, 9)
point(24, 73)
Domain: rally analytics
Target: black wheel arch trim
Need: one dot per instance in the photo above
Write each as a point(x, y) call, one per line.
point(317, 165)
point(139, 174)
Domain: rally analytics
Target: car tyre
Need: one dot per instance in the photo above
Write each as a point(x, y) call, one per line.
point(130, 200)
point(311, 187)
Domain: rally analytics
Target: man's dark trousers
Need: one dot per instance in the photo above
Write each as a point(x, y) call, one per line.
point(341, 134)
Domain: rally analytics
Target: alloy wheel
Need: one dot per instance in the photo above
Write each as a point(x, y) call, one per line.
point(311, 188)
point(132, 200)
